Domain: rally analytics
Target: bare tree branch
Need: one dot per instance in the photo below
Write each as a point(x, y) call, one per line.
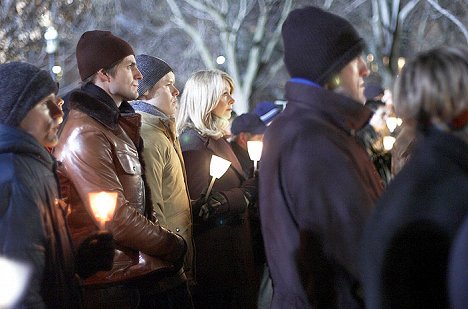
point(192, 32)
point(451, 17)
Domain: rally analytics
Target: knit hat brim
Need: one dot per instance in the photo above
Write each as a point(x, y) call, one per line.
point(152, 69)
point(31, 92)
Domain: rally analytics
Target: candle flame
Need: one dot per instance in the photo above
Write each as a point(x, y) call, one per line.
point(103, 205)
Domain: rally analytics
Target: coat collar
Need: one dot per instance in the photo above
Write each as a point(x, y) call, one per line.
point(95, 102)
point(14, 140)
point(344, 112)
point(154, 116)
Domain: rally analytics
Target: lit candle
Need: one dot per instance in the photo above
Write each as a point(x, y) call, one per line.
point(388, 142)
point(392, 123)
point(103, 206)
point(218, 166)
point(255, 151)
point(14, 278)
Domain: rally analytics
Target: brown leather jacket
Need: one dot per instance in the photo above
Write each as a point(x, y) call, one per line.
point(97, 146)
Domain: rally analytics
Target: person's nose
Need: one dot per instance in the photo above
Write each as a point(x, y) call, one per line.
point(363, 69)
point(175, 91)
point(137, 75)
point(231, 100)
point(55, 109)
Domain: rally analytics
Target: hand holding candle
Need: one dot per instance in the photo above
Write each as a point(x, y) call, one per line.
point(218, 166)
point(103, 206)
point(255, 151)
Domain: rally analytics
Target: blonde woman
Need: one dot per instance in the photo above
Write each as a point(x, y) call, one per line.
point(224, 257)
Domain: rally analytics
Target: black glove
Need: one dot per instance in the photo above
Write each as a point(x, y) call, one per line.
point(250, 188)
point(94, 254)
point(206, 208)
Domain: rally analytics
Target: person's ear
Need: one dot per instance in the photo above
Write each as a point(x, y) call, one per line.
point(333, 83)
point(243, 137)
point(145, 96)
point(103, 76)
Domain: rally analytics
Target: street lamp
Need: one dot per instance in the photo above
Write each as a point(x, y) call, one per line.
point(51, 37)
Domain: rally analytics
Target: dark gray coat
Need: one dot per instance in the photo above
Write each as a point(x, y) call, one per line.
point(32, 224)
point(317, 189)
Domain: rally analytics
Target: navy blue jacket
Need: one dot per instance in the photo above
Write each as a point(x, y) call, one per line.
point(32, 224)
point(317, 189)
point(407, 241)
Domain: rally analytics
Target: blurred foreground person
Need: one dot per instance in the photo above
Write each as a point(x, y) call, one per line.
point(100, 147)
point(458, 269)
point(224, 261)
point(407, 241)
point(317, 185)
point(32, 218)
point(165, 169)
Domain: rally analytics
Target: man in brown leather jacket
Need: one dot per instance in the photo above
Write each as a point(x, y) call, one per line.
point(100, 149)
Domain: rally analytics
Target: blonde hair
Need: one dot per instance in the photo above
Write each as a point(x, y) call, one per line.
point(200, 96)
point(433, 87)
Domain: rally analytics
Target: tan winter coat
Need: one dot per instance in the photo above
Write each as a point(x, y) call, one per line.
point(166, 176)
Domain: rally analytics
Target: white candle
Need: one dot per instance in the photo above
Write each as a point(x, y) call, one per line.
point(218, 166)
point(103, 206)
point(255, 151)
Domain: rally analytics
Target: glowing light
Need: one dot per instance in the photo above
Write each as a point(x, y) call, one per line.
point(14, 278)
point(392, 123)
point(103, 206)
point(56, 69)
point(401, 63)
point(255, 151)
point(220, 59)
point(388, 142)
point(218, 166)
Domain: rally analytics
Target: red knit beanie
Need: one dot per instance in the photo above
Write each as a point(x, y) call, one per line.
point(99, 49)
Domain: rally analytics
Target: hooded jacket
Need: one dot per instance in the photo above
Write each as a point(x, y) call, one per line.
point(32, 222)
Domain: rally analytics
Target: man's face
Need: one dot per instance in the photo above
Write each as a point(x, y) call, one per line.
point(223, 108)
point(352, 79)
point(124, 84)
point(43, 120)
point(164, 94)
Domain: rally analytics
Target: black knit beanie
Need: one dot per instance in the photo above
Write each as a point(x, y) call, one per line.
point(318, 44)
point(152, 69)
point(22, 86)
point(99, 49)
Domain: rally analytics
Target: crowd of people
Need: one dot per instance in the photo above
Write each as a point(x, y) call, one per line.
point(324, 221)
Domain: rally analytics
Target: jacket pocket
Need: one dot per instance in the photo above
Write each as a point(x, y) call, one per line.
point(128, 162)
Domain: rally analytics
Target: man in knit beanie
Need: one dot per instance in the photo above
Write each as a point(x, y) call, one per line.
point(32, 223)
point(165, 168)
point(321, 183)
point(100, 147)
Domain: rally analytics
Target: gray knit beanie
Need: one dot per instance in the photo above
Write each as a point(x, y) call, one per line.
point(22, 86)
point(152, 69)
point(318, 44)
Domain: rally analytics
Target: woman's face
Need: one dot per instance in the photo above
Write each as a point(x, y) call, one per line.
point(223, 108)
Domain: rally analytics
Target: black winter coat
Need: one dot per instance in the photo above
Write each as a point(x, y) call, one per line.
point(407, 241)
point(32, 224)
